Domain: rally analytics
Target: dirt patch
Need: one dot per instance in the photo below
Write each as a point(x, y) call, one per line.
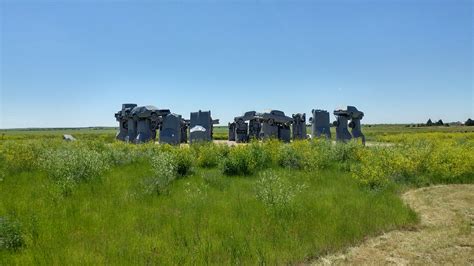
point(445, 234)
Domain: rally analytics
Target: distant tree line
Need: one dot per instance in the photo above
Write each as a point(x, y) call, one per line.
point(429, 123)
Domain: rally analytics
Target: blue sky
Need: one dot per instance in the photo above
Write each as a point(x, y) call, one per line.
point(73, 63)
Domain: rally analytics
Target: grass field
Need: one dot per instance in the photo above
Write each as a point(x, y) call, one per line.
point(220, 132)
point(97, 201)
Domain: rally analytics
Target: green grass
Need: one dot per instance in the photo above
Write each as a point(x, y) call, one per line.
point(204, 218)
point(90, 202)
point(107, 134)
point(102, 134)
point(373, 131)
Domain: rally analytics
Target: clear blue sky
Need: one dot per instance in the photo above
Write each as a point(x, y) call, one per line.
point(73, 63)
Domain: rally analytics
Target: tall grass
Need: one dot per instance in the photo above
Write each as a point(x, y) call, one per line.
point(198, 221)
point(91, 202)
point(69, 166)
point(11, 238)
point(435, 159)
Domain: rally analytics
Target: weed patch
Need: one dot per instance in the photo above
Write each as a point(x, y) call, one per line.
point(10, 235)
point(70, 166)
point(276, 193)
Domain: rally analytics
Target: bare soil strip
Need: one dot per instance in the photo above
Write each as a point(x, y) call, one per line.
point(445, 234)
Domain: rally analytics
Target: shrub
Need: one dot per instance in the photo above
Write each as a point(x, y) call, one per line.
point(305, 155)
point(10, 235)
point(146, 151)
point(261, 158)
point(272, 148)
point(417, 162)
point(409, 161)
point(275, 193)
point(121, 153)
point(70, 165)
point(290, 157)
point(167, 166)
point(164, 172)
point(95, 145)
point(373, 169)
point(78, 164)
point(320, 155)
point(450, 163)
point(182, 160)
point(22, 155)
point(239, 162)
point(380, 165)
point(246, 159)
point(346, 152)
point(209, 154)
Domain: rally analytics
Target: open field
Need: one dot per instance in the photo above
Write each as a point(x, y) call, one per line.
point(372, 132)
point(151, 175)
point(98, 201)
point(103, 133)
